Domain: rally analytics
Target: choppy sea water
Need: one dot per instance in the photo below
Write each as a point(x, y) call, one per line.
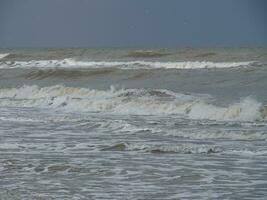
point(133, 124)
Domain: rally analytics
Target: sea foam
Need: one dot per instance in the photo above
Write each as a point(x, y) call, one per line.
point(131, 102)
point(3, 55)
point(73, 63)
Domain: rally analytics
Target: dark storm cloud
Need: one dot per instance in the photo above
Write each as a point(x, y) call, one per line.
point(153, 23)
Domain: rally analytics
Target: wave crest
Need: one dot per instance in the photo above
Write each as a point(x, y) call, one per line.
point(3, 55)
point(131, 101)
point(73, 63)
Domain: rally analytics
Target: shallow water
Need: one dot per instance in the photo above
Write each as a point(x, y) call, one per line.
point(133, 132)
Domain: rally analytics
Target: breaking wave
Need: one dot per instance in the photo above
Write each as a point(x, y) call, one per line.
point(131, 101)
point(3, 55)
point(72, 63)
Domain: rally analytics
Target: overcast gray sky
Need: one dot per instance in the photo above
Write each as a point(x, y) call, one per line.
point(133, 23)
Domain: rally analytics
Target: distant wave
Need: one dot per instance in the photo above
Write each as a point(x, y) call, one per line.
point(147, 54)
point(72, 63)
point(131, 101)
point(67, 73)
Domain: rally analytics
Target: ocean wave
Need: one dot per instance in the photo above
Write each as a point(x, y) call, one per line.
point(249, 152)
point(131, 102)
point(218, 134)
point(73, 63)
point(147, 54)
point(188, 148)
point(3, 55)
point(161, 149)
point(66, 73)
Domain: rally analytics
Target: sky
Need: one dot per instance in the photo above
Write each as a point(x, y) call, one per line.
point(133, 23)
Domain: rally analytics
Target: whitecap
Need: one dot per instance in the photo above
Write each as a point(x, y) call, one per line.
point(138, 64)
point(131, 102)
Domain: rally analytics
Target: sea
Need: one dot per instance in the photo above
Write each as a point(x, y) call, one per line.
point(133, 124)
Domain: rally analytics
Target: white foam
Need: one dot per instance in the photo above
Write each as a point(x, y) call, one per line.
point(130, 102)
point(246, 110)
point(72, 63)
point(2, 55)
